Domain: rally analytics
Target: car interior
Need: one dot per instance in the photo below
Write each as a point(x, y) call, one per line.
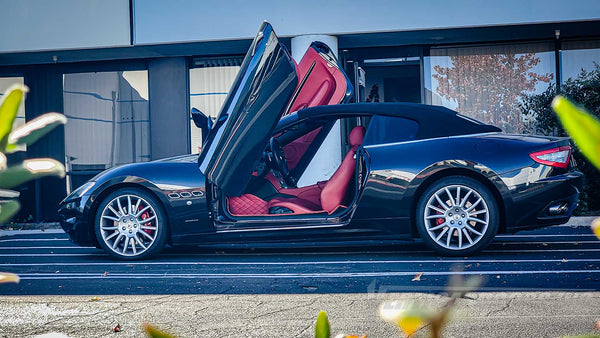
point(273, 188)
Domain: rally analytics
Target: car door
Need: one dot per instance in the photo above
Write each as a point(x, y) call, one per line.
point(266, 88)
point(259, 96)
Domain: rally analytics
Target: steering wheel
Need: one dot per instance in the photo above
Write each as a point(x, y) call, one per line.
point(278, 159)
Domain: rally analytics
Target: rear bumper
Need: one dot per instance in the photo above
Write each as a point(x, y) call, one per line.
point(549, 201)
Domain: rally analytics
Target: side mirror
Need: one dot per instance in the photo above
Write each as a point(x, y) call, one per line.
point(202, 121)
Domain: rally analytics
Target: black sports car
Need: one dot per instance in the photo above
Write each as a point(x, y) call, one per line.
point(408, 170)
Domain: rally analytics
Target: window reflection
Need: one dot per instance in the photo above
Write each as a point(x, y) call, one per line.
point(209, 86)
point(578, 55)
point(108, 120)
point(488, 82)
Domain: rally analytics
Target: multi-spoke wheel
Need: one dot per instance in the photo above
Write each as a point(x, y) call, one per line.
point(457, 215)
point(130, 224)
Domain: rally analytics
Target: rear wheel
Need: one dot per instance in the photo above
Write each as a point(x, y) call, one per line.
point(130, 224)
point(457, 215)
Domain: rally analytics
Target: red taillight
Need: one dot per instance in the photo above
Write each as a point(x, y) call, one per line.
point(555, 157)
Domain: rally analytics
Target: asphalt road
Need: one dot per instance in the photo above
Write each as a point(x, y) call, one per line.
point(560, 258)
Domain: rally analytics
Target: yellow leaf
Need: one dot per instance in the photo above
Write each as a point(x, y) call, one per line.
point(154, 332)
point(581, 126)
point(596, 227)
point(6, 277)
point(410, 324)
point(409, 317)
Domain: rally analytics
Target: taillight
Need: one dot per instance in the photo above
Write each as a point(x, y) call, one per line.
point(555, 157)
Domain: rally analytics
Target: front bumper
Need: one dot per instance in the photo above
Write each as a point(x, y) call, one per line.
point(74, 221)
point(536, 206)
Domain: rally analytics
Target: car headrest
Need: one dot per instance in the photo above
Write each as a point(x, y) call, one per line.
point(356, 136)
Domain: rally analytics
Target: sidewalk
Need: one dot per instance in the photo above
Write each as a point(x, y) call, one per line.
point(550, 314)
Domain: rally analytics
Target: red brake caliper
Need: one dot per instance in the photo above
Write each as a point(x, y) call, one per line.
point(144, 216)
point(440, 220)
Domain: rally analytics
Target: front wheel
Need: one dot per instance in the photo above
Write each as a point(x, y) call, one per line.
point(130, 224)
point(457, 216)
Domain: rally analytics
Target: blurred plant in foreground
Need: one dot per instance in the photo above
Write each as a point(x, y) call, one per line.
point(584, 129)
point(411, 316)
point(16, 175)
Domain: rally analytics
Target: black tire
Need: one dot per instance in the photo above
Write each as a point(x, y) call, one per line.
point(471, 230)
point(145, 227)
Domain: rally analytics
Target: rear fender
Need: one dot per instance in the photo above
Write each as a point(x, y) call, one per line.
point(471, 169)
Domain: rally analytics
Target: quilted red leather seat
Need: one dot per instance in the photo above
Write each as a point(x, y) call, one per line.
point(334, 191)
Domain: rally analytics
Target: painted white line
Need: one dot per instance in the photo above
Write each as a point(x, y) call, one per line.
point(33, 240)
point(449, 261)
point(293, 275)
point(547, 251)
point(544, 236)
point(548, 242)
point(44, 247)
point(52, 255)
point(26, 232)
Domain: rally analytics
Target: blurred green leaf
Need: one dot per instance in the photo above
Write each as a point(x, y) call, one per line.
point(7, 209)
point(9, 108)
point(581, 126)
point(34, 130)
point(6, 277)
point(30, 170)
point(322, 328)
point(153, 332)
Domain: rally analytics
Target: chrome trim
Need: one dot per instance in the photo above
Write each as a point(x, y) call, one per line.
point(429, 139)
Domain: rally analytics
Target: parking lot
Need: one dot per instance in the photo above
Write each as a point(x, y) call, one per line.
point(560, 258)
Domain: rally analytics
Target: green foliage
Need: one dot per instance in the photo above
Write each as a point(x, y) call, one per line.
point(585, 90)
point(583, 128)
point(322, 328)
point(13, 176)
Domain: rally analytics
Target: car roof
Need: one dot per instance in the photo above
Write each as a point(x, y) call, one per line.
point(434, 121)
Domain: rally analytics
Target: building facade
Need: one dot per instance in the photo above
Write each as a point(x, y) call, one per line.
point(127, 72)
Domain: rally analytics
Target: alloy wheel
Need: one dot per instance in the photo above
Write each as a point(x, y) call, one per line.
point(129, 225)
point(456, 217)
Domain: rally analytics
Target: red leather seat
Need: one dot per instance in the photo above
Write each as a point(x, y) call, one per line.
point(334, 191)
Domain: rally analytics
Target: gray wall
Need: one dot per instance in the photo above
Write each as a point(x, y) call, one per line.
point(169, 110)
point(28, 25)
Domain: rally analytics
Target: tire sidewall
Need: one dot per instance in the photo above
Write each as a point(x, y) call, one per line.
point(485, 193)
point(162, 228)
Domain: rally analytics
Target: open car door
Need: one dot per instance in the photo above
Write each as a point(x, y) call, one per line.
point(259, 96)
point(266, 87)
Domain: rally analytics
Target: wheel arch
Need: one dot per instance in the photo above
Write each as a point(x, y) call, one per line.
point(436, 176)
point(110, 189)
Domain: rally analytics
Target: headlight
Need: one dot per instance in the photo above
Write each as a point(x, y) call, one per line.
point(82, 190)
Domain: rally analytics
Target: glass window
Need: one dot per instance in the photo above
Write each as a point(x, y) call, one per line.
point(388, 129)
point(487, 83)
point(209, 85)
point(578, 55)
point(108, 119)
point(5, 83)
